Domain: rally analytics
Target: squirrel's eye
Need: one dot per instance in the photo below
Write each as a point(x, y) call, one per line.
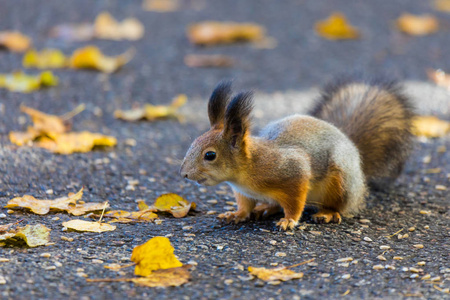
point(210, 155)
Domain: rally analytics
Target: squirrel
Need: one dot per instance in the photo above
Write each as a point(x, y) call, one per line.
point(358, 134)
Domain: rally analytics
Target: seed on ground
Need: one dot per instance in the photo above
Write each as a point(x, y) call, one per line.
point(45, 254)
point(421, 263)
point(2, 280)
point(367, 239)
point(2, 259)
point(389, 267)
point(280, 254)
point(212, 201)
point(272, 242)
point(378, 267)
point(192, 263)
point(397, 257)
point(385, 247)
point(426, 227)
point(425, 277)
point(345, 259)
point(231, 203)
point(228, 281)
point(426, 159)
point(58, 264)
point(10, 211)
point(441, 187)
point(364, 221)
point(229, 207)
point(346, 276)
point(418, 246)
point(437, 278)
point(414, 276)
point(425, 212)
point(381, 257)
point(2, 216)
point(274, 264)
point(97, 261)
point(411, 229)
point(50, 268)
point(187, 227)
point(211, 212)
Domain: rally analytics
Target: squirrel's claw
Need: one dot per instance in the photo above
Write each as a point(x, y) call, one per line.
point(327, 216)
point(285, 224)
point(236, 216)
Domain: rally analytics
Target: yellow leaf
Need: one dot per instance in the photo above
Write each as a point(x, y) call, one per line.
point(42, 207)
point(47, 58)
point(417, 24)
point(23, 138)
point(155, 254)
point(142, 205)
point(153, 112)
point(20, 82)
point(44, 123)
point(14, 41)
point(442, 5)
point(430, 126)
point(33, 235)
point(81, 209)
point(212, 32)
point(122, 216)
point(274, 274)
point(174, 204)
point(161, 5)
point(91, 57)
point(336, 27)
point(165, 278)
point(106, 27)
point(70, 142)
point(81, 225)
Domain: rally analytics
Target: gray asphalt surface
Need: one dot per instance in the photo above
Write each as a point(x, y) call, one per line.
point(286, 80)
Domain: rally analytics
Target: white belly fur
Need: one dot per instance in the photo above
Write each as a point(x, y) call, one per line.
point(251, 194)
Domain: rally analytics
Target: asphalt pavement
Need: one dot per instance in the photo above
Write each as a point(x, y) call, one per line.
point(286, 80)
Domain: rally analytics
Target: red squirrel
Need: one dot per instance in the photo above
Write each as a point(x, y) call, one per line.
point(358, 133)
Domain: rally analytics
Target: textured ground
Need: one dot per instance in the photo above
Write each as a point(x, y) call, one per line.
point(286, 80)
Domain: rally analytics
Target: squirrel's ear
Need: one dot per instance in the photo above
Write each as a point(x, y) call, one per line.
point(237, 118)
point(218, 102)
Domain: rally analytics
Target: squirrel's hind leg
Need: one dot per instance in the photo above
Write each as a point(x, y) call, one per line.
point(327, 216)
point(265, 210)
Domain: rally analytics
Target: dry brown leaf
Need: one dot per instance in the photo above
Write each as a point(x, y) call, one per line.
point(174, 204)
point(165, 278)
point(91, 57)
point(208, 61)
point(212, 32)
point(153, 112)
point(20, 82)
point(122, 216)
point(70, 142)
point(106, 27)
point(33, 235)
point(430, 126)
point(336, 27)
point(81, 225)
point(274, 274)
point(161, 6)
point(155, 254)
point(417, 24)
point(439, 77)
point(14, 41)
point(6, 227)
point(442, 5)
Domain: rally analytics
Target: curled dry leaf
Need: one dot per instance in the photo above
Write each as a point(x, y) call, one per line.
point(430, 126)
point(174, 204)
point(33, 235)
point(106, 27)
point(155, 254)
point(153, 112)
point(91, 57)
point(212, 33)
point(417, 24)
point(439, 77)
point(274, 274)
point(165, 278)
point(14, 41)
point(208, 61)
point(47, 58)
point(161, 6)
point(45, 123)
point(20, 82)
point(336, 27)
point(123, 216)
point(81, 225)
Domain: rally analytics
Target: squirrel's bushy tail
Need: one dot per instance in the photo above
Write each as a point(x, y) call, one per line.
point(377, 117)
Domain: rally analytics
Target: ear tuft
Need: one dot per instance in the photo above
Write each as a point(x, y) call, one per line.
point(237, 116)
point(218, 102)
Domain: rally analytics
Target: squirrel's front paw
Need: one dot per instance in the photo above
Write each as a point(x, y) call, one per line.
point(236, 216)
point(284, 224)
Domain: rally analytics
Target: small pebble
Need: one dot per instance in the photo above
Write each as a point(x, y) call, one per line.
point(79, 270)
point(414, 276)
point(405, 269)
point(64, 238)
point(411, 229)
point(97, 261)
point(414, 270)
point(187, 227)
point(130, 142)
point(345, 265)
point(325, 275)
point(58, 264)
point(192, 263)
point(418, 246)
point(274, 282)
point(82, 274)
point(202, 190)
point(55, 218)
point(437, 278)
point(64, 229)
point(49, 192)
point(220, 247)
point(2, 280)
point(50, 268)
point(10, 211)
point(229, 208)
point(364, 221)
point(2, 216)
point(367, 239)
point(46, 255)
point(158, 221)
point(421, 263)
point(426, 227)
point(389, 267)
point(273, 242)
point(427, 159)
point(274, 264)
point(211, 212)
point(346, 276)
point(280, 254)
point(228, 281)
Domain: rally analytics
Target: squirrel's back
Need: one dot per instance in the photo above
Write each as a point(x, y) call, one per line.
point(377, 117)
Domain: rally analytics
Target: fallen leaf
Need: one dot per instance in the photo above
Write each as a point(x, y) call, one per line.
point(161, 6)
point(142, 205)
point(81, 225)
point(70, 142)
point(6, 227)
point(45, 123)
point(439, 77)
point(73, 32)
point(442, 5)
point(33, 235)
point(91, 57)
point(123, 216)
point(14, 41)
point(20, 82)
point(212, 32)
point(336, 27)
point(106, 27)
point(417, 24)
point(174, 204)
point(153, 112)
point(165, 278)
point(430, 126)
point(46, 58)
point(207, 61)
point(155, 254)
point(274, 274)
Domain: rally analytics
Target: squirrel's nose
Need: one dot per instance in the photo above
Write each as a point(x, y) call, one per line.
point(183, 173)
